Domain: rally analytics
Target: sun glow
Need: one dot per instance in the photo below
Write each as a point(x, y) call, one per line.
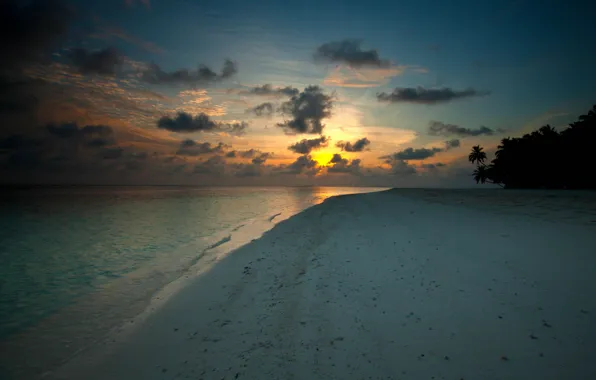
point(322, 157)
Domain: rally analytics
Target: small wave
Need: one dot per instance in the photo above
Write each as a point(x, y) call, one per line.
point(273, 217)
point(222, 241)
point(238, 227)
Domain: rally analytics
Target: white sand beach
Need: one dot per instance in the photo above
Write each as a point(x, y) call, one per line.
point(401, 284)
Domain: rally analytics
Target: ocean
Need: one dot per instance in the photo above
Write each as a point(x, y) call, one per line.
point(76, 262)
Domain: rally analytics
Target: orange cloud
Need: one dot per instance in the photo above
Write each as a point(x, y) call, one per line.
point(197, 101)
point(346, 76)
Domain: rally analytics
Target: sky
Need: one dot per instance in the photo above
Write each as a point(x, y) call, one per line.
point(223, 93)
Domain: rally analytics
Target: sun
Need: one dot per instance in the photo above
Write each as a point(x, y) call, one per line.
point(322, 158)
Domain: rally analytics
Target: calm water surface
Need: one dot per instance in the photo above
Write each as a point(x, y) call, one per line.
point(60, 245)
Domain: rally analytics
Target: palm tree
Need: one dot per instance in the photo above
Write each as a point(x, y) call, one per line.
point(481, 174)
point(477, 155)
point(486, 174)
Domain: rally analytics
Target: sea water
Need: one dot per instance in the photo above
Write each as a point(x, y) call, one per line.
point(83, 259)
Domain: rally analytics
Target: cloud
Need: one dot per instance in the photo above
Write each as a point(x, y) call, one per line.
point(261, 158)
point(31, 30)
point(192, 148)
point(421, 95)
point(203, 75)
point(432, 166)
point(248, 170)
point(263, 109)
point(306, 146)
point(268, 90)
point(103, 62)
point(307, 110)
point(450, 144)
point(412, 154)
point(257, 157)
point(358, 146)
point(303, 164)
point(343, 165)
point(437, 128)
point(198, 101)
point(60, 146)
point(236, 129)
point(93, 135)
point(215, 165)
point(349, 52)
point(186, 123)
point(400, 167)
point(365, 77)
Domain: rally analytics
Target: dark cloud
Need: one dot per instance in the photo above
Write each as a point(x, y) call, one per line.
point(343, 165)
point(307, 111)
point(60, 147)
point(261, 158)
point(303, 164)
point(257, 157)
point(248, 153)
point(413, 154)
point(263, 109)
point(192, 148)
point(400, 167)
point(215, 165)
point(306, 146)
point(99, 142)
point(268, 90)
point(201, 76)
point(248, 170)
point(433, 166)
point(437, 128)
point(358, 146)
point(336, 158)
point(104, 62)
point(92, 135)
point(185, 122)
point(237, 129)
point(31, 30)
point(349, 52)
point(65, 130)
point(450, 144)
point(421, 95)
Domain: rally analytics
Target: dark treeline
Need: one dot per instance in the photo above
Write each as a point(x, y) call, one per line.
point(544, 158)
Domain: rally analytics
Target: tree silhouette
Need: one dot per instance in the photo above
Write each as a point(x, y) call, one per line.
point(544, 158)
point(477, 155)
point(481, 174)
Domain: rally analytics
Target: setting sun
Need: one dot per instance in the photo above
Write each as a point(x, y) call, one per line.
point(322, 157)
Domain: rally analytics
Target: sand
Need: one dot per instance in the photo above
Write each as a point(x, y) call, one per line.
point(400, 284)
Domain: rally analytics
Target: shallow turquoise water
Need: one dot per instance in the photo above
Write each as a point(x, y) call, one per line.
point(58, 245)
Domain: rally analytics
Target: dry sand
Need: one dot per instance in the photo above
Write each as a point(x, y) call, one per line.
point(403, 284)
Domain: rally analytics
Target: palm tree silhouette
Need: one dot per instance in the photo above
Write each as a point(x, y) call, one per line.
point(477, 155)
point(481, 174)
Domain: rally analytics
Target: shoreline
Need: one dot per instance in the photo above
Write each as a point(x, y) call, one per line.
point(52, 336)
point(403, 278)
